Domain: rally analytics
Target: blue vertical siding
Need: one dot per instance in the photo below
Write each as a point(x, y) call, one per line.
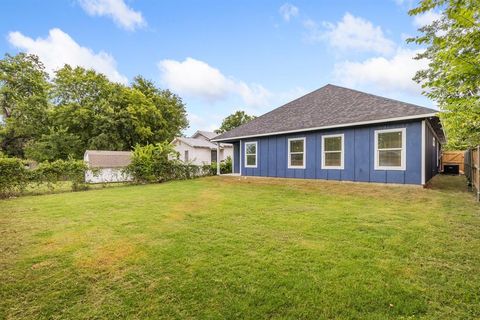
point(358, 155)
point(236, 157)
point(431, 168)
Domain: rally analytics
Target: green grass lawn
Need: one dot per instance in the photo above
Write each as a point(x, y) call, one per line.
point(216, 248)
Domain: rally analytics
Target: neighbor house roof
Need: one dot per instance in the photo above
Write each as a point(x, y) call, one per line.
point(328, 107)
point(197, 142)
point(108, 159)
point(207, 134)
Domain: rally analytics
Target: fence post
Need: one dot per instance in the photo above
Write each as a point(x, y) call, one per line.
point(477, 165)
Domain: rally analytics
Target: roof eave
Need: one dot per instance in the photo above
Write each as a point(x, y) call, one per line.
point(343, 125)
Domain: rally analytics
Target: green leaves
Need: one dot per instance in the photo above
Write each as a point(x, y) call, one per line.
point(453, 76)
point(23, 101)
point(80, 109)
point(159, 163)
point(234, 120)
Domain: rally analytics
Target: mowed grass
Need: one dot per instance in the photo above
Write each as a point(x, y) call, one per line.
point(235, 248)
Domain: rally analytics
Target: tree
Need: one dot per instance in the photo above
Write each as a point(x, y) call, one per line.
point(112, 116)
point(234, 120)
point(453, 76)
point(168, 104)
point(24, 106)
point(80, 109)
point(81, 99)
point(57, 144)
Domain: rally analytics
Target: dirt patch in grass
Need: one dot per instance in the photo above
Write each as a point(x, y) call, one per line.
point(109, 257)
point(194, 204)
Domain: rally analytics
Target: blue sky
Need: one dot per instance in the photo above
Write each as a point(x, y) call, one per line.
point(222, 56)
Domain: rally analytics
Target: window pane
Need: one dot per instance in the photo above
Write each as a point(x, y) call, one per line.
point(391, 158)
point(251, 160)
point(296, 159)
point(296, 146)
point(251, 148)
point(333, 159)
point(333, 144)
point(390, 140)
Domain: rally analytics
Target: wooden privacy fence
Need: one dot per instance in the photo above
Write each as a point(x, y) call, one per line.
point(472, 169)
point(453, 158)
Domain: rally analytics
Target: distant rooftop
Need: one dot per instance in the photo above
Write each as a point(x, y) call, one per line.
point(108, 159)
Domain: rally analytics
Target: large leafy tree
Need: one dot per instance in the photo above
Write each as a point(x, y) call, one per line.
point(56, 144)
point(168, 104)
point(80, 109)
point(112, 116)
point(24, 89)
point(453, 76)
point(234, 120)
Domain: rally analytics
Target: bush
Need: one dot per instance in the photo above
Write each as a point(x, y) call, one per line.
point(14, 176)
point(61, 170)
point(159, 163)
point(225, 167)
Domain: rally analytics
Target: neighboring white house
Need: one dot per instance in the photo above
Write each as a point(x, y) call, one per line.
point(107, 166)
point(198, 149)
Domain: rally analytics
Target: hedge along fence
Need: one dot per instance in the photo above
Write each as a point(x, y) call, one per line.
point(159, 163)
point(15, 176)
point(150, 163)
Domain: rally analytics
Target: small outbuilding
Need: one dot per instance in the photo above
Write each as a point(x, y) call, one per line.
point(107, 166)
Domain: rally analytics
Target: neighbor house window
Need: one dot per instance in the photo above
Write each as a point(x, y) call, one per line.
point(390, 149)
point(296, 153)
point(251, 154)
point(332, 151)
point(186, 156)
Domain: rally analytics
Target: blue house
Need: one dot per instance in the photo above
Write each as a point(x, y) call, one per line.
point(337, 133)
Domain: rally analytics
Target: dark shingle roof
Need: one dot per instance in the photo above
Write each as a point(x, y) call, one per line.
point(328, 106)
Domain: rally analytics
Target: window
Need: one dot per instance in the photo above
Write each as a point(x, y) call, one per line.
point(390, 149)
point(433, 142)
point(251, 154)
point(296, 153)
point(185, 158)
point(213, 156)
point(332, 151)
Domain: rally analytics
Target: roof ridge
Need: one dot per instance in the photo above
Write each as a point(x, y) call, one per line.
point(327, 106)
point(378, 96)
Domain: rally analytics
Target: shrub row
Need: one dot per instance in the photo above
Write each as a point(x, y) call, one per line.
point(15, 174)
point(159, 162)
point(150, 163)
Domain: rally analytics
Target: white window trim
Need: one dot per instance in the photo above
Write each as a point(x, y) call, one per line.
point(304, 153)
point(403, 149)
point(342, 151)
point(256, 154)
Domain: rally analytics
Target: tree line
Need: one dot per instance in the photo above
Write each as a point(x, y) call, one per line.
point(47, 118)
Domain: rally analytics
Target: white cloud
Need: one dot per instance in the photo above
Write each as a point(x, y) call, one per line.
point(426, 18)
point(117, 10)
point(391, 75)
point(288, 11)
point(59, 49)
point(196, 78)
point(203, 123)
point(351, 33)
